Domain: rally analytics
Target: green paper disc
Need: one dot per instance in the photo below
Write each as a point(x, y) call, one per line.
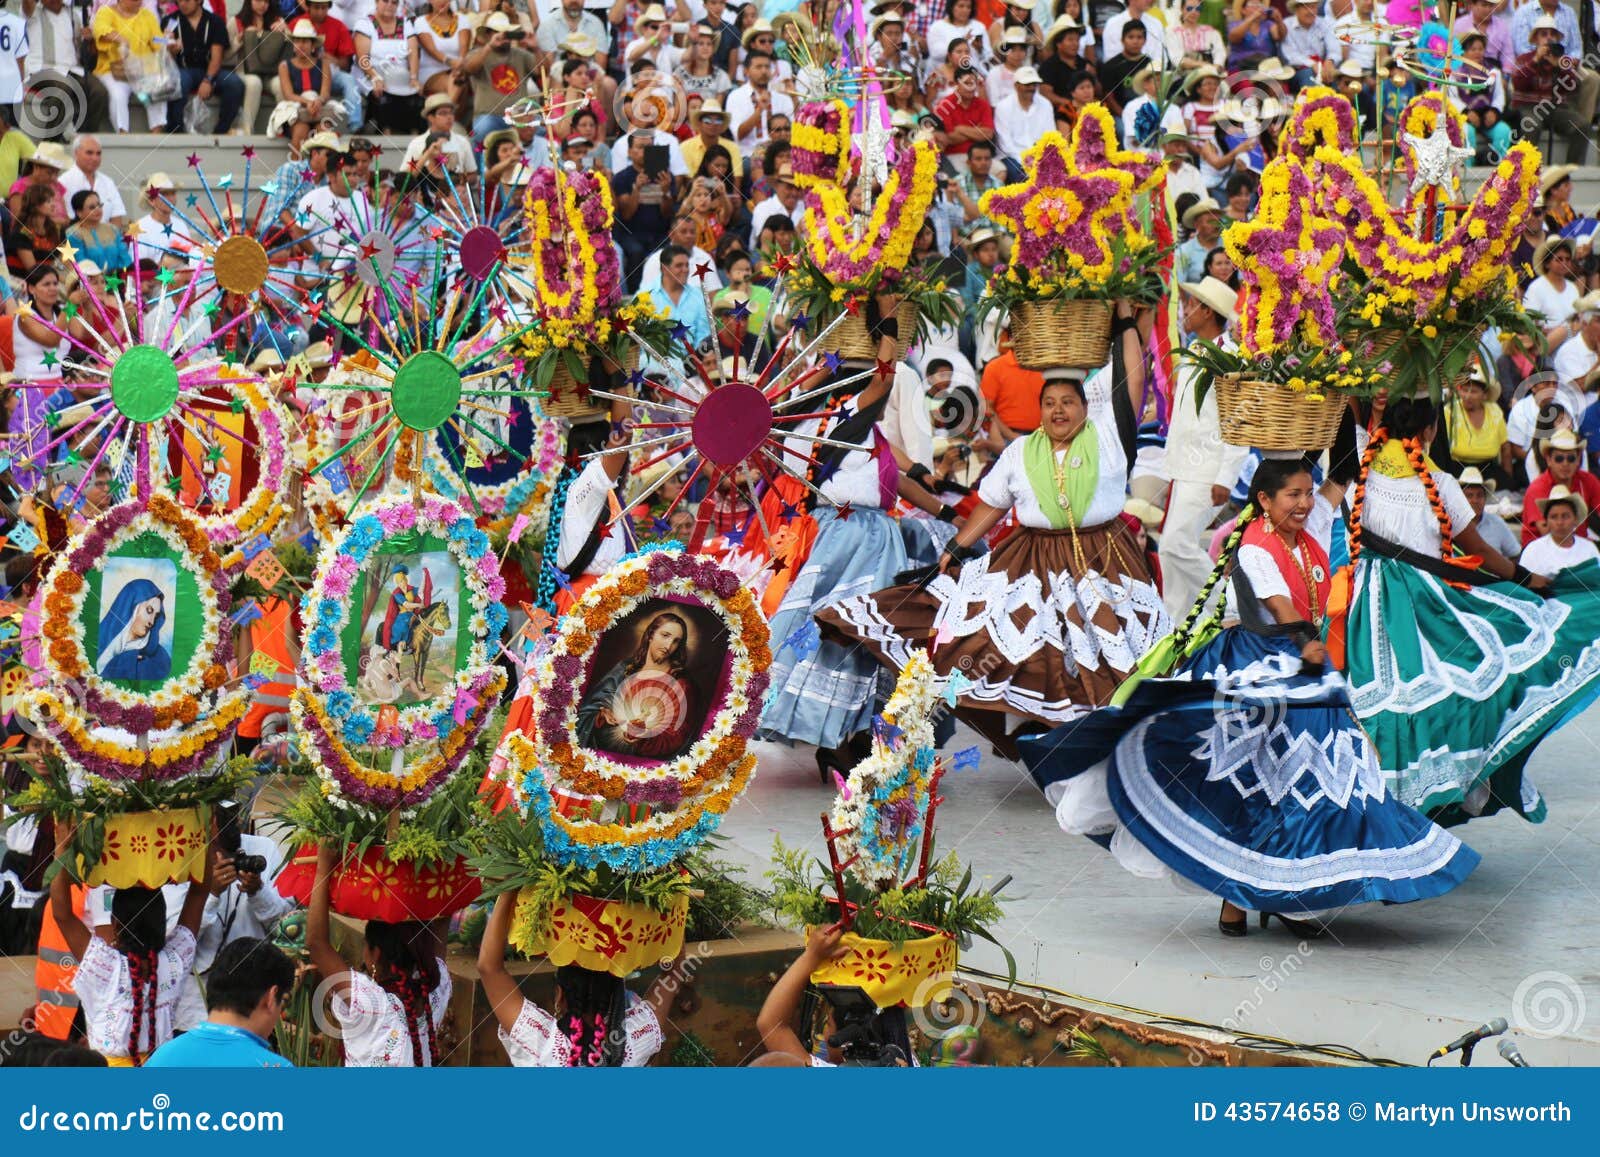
point(144, 384)
point(427, 390)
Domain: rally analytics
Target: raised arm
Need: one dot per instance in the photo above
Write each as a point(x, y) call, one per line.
point(74, 931)
point(505, 998)
point(775, 1021)
point(319, 940)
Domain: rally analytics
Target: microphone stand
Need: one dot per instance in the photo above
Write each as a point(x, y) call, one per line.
point(1466, 1054)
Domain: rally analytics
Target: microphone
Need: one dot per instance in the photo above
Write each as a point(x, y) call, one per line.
point(1493, 1028)
point(1512, 1054)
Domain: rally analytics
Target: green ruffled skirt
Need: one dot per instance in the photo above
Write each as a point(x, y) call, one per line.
point(1457, 687)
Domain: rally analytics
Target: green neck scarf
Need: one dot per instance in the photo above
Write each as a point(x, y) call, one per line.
point(1082, 475)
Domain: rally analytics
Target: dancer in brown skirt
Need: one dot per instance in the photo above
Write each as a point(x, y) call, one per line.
point(1048, 625)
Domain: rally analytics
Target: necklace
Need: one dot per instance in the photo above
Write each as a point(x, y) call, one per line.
point(1299, 557)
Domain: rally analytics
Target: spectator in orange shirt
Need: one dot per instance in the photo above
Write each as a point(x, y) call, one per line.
point(1013, 396)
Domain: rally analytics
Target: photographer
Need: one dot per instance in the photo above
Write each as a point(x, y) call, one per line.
point(498, 67)
point(862, 1034)
point(243, 903)
point(1549, 87)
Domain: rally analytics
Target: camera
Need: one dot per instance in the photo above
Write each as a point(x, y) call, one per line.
point(515, 34)
point(868, 1036)
point(245, 862)
point(229, 841)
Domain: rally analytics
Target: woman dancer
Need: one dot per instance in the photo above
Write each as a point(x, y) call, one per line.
point(1456, 676)
point(580, 544)
point(1246, 773)
point(1047, 626)
point(390, 1018)
point(823, 694)
point(130, 971)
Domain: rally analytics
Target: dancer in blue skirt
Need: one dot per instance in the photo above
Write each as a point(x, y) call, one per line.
point(1246, 773)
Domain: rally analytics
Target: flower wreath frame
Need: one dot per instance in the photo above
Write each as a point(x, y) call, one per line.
point(895, 774)
point(700, 784)
point(180, 700)
point(327, 610)
point(502, 501)
point(262, 508)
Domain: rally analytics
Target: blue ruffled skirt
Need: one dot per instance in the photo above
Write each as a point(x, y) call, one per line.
point(823, 691)
point(1250, 780)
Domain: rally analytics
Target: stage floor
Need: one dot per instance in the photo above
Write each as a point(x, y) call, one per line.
point(1520, 939)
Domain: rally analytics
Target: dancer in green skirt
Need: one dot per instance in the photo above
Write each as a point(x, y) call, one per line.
point(1459, 661)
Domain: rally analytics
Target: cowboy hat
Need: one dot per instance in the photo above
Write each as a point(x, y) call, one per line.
point(1562, 494)
point(324, 140)
point(1489, 382)
point(877, 25)
point(1563, 440)
point(1546, 24)
point(1063, 25)
point(979, 235)
point(437, 101)
point(318, 354)
point(492, 141)
point(500, 22)
point(267, 359)
point(1027, 74)
point(1213, 293)
point(51, 156)
point(763, 27)
point(579, 44)
point(1541, 255)
point(712, 107)
point(1196, 75)
point(1148, 513)
point(1015, 35)
point(156, 182)
point(1274, 69)
point(1472, 476)
point(1352, 69)
point(303, 29)
point(1553, 176)
point(1143, 74)
point(1235, 111)
point(1201, 207)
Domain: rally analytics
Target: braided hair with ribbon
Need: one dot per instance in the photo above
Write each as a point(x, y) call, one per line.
point(411, 975)
point(593, 1016)
point(139, 922)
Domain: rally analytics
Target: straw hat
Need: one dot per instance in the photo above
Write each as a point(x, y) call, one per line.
point(51, 156)
point(318, 354)
point(1541, 255)
point(1216, 295)
point(437, 101)
point(303, 29)
point(500, 22)
point(492, 141)
point(1027, 74)
point(1563, 440)
point(324, 140)
point(1553, 176)
point(1546, 24)
point(1196, 75)
point(707, 108)
point(1235, 112)
point(1274, 69)
point(156, 182)
point(1199, 209)
point(1472, 476)
point(580, 44)
point(1490, 384)
point(1149, 514)
point(1562, 494)
point(763, 27)
point(1017, 36)
point(1351, 69)
point(1061, 27)
point(979, 236)
point(877, 25)
point(267, 359)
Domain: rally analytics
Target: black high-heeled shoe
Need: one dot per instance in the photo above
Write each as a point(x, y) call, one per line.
point(1301, 928)
point(1239, 927)
point(828, 764)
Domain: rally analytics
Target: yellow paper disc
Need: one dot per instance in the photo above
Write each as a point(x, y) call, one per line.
point(240, 265)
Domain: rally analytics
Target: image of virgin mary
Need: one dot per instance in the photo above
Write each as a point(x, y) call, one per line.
point(130, 634)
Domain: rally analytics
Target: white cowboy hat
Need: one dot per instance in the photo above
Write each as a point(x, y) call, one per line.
point(1562, 494)
point(1213, 293)
point(1472, 476)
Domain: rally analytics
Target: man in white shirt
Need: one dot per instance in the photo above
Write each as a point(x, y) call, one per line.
point(1024, 116)
point(752, 105)
point(784, 202)
point(675, 162)
point(1202, 467)
point(242, 904)
point(1524, 423)
point(440, 147)
point(54, 31)
point(1496, 531)
point(1553, 292)
point(1561, 546)
point(1154, 31)
point(682, 235)
point(1577, 362)
point(85, 174)
point(13, 56)
point(329, 217)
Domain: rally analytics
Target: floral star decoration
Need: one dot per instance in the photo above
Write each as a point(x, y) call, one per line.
point(1068, 204)
point(1287, 256)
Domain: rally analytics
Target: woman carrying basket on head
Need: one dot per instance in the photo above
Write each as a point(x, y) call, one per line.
point(1049, 624)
